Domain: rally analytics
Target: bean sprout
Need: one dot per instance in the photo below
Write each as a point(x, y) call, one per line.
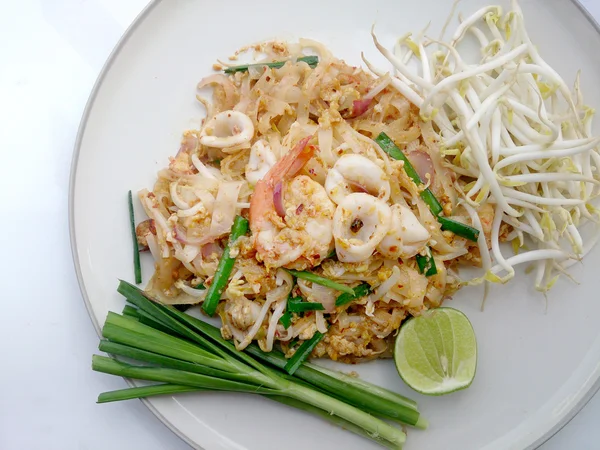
point(514, 134)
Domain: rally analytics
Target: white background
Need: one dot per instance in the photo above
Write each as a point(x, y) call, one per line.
point(50, 54)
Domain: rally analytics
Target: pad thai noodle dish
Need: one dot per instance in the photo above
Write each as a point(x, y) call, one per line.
point(325, 202)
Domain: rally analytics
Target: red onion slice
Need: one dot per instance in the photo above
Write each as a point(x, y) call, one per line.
point(357, 187)
point(359, 107)
point(278, 199)
point(181, 235)
point(211, 249)
point(422, 163)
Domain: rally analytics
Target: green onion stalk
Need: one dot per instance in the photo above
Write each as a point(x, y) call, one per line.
point(312, 61)
point(458, 228)
point(188, 355)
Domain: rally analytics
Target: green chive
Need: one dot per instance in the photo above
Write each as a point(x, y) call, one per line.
point(426, 264)
point(145, 391)
point(388, 146)
point(221, 278)
point(137, 268)
point(286, 319)
point(296, 305)
point(364, 395)
point(358, 292)
point(207, 338)
point(114, 367)
point(309, 276)
point(170, 389)
point(460, 229)
point(130, 311)
point(312, 61)
point(303, 353)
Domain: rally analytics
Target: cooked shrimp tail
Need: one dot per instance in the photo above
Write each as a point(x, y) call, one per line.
point(262, 202)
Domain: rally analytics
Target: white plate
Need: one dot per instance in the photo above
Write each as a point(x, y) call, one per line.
point(538, 361)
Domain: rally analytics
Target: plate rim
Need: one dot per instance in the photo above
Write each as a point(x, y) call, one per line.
point(564, 420)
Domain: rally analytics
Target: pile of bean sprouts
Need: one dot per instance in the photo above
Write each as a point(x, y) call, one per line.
point(515, 134)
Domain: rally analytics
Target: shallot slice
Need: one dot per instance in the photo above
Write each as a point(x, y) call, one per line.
point(278, 199)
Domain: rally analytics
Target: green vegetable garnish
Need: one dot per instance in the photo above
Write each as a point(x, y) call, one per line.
point(312, 61)
point(302, 353)
point(192, 355)
point(460, 229)
point(359, 291)
point(221, 278)
point(388, 146)
point(426, 263)
point(296, 305)
point(286, 319)
point(309, 276)
point(137, 268)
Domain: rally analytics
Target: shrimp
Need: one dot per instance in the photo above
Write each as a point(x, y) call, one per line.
point(291, 222)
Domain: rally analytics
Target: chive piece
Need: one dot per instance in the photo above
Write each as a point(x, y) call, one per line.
point(286, 319)
point(170, 389)
point(332, 254)
point(309, 276)
point(368, 398)
point(221, 278)
point(130, 311)
point(144, 356)
point(208, 337)
point(182, 308)
point(137, 268)
point(161, 374)
point(431, 201)
point(346, 425)
point(388, 146)
point(359, 291)
point(200, 287)
point(145, 391)
point(147, 319)
point(312, 61)
point(364, 395)
point(426, 264)
point(302, 353)
point(460, 229)
point(296, 305)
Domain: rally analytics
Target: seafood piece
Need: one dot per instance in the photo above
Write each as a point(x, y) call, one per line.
point(352, 173)
point(406, 236)
point(291, 221)
point(360, 222)
point(226, 129)
point(261, 161)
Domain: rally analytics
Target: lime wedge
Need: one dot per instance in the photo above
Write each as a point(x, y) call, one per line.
point(436, 353)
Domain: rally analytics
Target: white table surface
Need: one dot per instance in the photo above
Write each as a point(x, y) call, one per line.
point(50, 54)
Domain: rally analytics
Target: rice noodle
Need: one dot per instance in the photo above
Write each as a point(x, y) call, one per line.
point(232, 165)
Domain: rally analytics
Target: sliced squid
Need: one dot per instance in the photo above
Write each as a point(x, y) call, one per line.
point(226, 129)
point(406, 236)
point(353, 173)
point(360, 222)
point(261, 160)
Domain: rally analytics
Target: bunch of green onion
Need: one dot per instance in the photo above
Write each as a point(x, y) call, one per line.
point(185, 354)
